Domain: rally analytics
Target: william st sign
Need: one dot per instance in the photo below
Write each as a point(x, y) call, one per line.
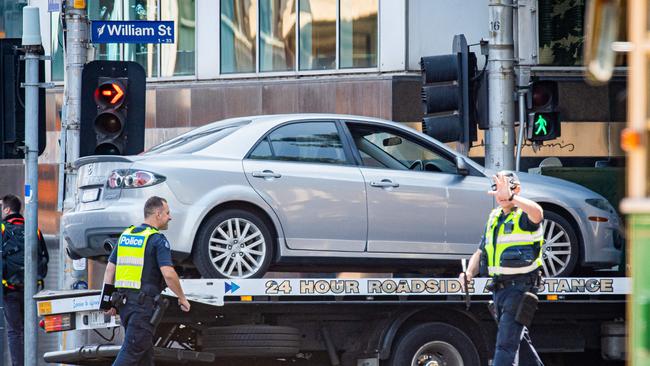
point(132, 31)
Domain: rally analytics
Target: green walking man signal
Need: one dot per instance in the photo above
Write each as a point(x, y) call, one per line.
point(540, 125)
point(543, 126)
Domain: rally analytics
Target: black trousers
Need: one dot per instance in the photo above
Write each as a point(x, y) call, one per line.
point(137, 348)
point(14, 315)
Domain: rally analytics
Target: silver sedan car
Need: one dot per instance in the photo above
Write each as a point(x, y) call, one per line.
point(323, 192)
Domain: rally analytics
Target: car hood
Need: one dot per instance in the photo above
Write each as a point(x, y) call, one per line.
point(542, 188)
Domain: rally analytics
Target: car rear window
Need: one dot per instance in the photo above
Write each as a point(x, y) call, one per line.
point(197, 139)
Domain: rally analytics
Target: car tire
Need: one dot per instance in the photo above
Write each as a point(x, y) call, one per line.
point(441, 342)
point(224, 250)
point(556, 261)
point(252, 341)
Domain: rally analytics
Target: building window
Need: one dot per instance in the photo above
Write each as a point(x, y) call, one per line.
point(177, 59)
point(11, 18)
point(313, 32)
point(57, 47)
point(277, 35)
point(358, 33)
point(561, 32)
point(317, 34)
point(238, 35)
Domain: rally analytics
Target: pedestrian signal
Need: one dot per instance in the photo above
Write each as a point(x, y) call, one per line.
point(543, 118)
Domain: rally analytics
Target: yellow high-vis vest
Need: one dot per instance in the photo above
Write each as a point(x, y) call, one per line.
point(511, 244)
point(130, 257)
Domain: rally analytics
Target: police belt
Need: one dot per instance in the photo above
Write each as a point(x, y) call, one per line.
point(530, 279)
point(146, 290)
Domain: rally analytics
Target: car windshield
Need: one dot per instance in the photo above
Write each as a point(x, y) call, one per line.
point(197, 139)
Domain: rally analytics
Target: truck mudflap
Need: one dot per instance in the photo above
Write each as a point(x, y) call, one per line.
point(107, 352)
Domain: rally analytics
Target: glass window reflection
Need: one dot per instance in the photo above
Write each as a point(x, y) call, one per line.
point(56, 66)
point(238, 35)
point(317, 34)
point(277, 35)
point(106, 10)
point(144, 54)
point(178, 58)
point(358, 32)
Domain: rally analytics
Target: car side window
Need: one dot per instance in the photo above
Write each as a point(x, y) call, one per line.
point(312, 142)
point(381, 147)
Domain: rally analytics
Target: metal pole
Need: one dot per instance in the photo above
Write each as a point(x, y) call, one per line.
point(501, 136)
point(522, 124)
point(74, 273)
point(32, 44)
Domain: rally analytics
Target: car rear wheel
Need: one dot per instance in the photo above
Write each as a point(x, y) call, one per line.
point(233, 244)
point(561, 250)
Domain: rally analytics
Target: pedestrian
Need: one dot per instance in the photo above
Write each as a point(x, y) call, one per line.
point(510, 253)
point(138, 267)
point(13, 272)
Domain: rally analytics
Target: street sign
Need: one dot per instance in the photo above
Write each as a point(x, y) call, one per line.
point(53, 5)
point(132, 31)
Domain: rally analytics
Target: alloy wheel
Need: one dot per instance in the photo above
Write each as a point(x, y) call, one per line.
point(237, 248)
point(437, 353)
point(556, 251)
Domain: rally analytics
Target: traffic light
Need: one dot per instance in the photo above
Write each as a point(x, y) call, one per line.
point(112, 108)
point(543, 116)
point(12, 104)
point(447, 98)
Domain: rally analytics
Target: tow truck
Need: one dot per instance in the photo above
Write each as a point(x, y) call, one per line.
point(348, 321)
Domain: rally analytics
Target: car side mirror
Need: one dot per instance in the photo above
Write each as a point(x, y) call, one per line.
point(461, 165)
point(392, 141)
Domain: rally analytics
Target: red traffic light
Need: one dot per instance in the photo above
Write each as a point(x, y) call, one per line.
point(110, 94)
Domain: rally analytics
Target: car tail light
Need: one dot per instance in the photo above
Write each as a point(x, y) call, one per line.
point(131, 178)
point(58, 322)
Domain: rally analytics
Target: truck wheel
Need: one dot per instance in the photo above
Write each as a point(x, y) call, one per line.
point(561, 249)
point(434, 344)
point(252, 341)
point(233, 244)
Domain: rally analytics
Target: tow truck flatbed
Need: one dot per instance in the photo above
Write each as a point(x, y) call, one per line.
point(333, 314)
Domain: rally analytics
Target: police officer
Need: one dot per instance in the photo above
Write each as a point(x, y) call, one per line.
point(138, 266)
point(510, 253)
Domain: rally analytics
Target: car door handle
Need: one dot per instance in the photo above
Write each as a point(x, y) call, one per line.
point(385, 183)
point(266, 174)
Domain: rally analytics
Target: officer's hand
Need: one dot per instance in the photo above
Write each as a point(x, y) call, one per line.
point(503, 191)
point(184, 304)
point(111, 312)
point(461, 279)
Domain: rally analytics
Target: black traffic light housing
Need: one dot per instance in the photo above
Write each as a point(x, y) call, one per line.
point(448, 101)
point(113, 95)
point(543, 114)
point(12, 107)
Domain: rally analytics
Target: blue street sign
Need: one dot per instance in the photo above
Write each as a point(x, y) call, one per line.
point(53, 5)
point(132, 31)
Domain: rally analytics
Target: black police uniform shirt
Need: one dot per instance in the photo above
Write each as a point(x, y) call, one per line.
point(158, 248)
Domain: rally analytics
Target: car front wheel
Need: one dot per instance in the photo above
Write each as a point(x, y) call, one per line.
point(561, 250)
point(233, 244)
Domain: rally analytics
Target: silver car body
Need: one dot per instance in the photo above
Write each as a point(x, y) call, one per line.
point(321, 210)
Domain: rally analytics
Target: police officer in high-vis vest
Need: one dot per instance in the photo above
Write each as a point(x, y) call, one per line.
point(139, 267)
point(510, 253)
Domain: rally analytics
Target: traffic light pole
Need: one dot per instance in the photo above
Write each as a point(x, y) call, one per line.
point(74, 274)
point(32, 45)
point(500, 137)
